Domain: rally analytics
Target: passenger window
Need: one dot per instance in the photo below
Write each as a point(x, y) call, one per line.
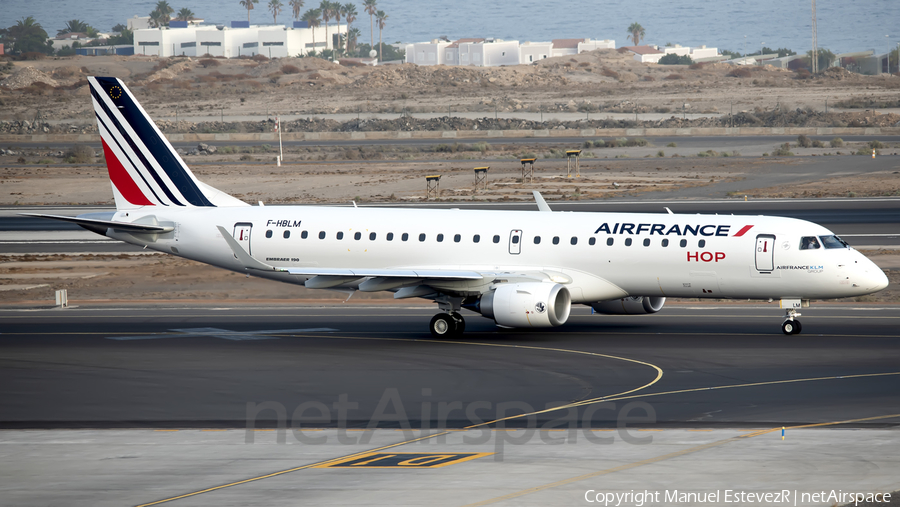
point(287, 234)
point(476, 238)
point(646, 241)
point(537, 240)
point(456, 238)
point(268, 234)
point(574, 240)
point(304, 234)
point(496, 239)
point(609, 242)
point(683, 243)
point(321, 234)
point(340, 235)
point(515, 240)
point(390, 236)
point(357, 235)
point(701, 243)
point(404, 237)
point(665, 242)
point(371, 236)
point(555, 240)
point(440, 238)
point(592, 241)
point(422, 237)
point(833, 242)
point(809, 243)
point(627, 241)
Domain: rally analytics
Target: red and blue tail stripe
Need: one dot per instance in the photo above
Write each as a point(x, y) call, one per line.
point(144, 168)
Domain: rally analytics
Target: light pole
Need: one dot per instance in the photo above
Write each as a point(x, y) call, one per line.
point(745, 49)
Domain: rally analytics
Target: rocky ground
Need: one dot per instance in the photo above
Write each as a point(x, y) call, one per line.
point(47, 93)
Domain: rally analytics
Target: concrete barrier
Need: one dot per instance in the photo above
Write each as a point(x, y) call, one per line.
point(473, 134)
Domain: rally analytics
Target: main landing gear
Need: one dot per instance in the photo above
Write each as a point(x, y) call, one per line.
point(791, 325)
point(447, 324)
point(450, 322)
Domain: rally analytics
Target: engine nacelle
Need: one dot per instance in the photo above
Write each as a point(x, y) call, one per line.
point(630, 305)
point(535, 304)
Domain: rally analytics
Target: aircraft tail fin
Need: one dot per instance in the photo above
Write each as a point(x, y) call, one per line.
point(143, 167)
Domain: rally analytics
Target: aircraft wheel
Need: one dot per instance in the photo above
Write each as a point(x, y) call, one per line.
point(460, 323)
point(442, 325)
point(791, 327)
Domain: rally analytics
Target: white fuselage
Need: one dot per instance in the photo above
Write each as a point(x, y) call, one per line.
point(650, 254)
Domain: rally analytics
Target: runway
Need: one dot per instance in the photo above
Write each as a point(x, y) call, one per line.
point(721, 366)
point(194, 406)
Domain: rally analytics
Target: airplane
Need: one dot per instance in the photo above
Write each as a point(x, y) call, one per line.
point(522, 269)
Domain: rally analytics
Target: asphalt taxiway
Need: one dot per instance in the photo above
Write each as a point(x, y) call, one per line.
point(720, 365)
point(358, 405)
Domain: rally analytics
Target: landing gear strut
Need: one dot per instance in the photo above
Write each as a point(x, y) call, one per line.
point(450, 323)
point(791, 325)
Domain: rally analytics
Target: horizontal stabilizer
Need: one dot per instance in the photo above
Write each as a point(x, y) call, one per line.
point(100, 226)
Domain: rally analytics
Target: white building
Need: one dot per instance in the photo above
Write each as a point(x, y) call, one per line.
point(652, 54)
point(241, 39)
point(564, 47)
point(427, 53)
point(530, 52)
point(165, 41)
point(138, 23)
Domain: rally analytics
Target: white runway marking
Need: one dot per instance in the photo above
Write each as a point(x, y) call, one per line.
point(224, 334)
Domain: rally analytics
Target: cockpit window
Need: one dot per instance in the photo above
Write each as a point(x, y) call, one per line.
point(809, 243)
point(833, 242)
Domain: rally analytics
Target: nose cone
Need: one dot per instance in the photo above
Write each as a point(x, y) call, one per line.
point(877, 280)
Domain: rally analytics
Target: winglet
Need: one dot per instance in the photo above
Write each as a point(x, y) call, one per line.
point(541, 203)
point(242, 256)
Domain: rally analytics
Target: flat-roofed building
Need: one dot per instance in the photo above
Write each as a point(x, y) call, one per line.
point(427, 53)
point(564, 47)
point(530, 52)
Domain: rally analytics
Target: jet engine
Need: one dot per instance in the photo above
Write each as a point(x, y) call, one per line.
point(630, 305)
point(534, 304)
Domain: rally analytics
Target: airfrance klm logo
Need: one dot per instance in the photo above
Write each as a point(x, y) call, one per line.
point(677, 230)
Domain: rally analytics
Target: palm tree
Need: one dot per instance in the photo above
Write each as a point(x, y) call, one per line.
point(162, 14)
point(296, 5)
point(325, 9)
point(350, 14)
point(637, 33)
point(371, 7)
point(312, 20)
point(73, 26)
point(337, 11)
point(382, 19)
point(275, 7)
point(185, 14)
point(352, 36)
point(28, 35)
point(248, 4)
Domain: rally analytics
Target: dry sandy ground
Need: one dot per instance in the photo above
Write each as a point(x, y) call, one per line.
point(341, 182)
point(602, 80)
